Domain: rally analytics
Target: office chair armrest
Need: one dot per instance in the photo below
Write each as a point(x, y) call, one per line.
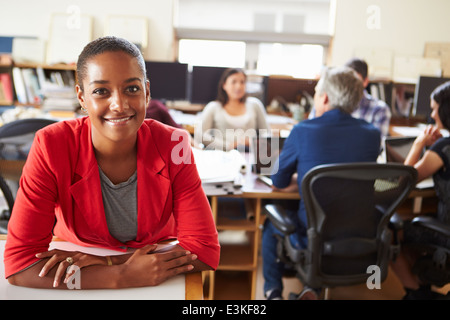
point(279, 218)
point(395, 225)
point(432, 224)
point(396, 222)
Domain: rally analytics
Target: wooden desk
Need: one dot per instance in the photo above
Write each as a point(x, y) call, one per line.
point(420, 201)
point(236, 274)
point(189, 286)
point(11, 169)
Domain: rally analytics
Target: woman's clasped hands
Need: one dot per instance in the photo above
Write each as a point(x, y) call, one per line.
point(430, 135)
point(143, 267)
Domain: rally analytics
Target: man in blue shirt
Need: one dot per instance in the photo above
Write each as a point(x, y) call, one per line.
point(334, 136)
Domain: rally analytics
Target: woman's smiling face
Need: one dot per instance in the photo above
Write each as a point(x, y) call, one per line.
point(115, 96)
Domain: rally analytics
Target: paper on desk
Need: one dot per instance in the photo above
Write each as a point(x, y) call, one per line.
point(220, 171)
point(215, 166)
point(426, 184)
point(407, 131)
point(68, 246)
point(415, 131)
point(163, 247)
point(277, 119)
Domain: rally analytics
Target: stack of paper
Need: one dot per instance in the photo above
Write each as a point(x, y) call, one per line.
point(58, 90)
point(220, 171)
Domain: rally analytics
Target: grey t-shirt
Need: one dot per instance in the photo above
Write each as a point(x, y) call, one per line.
point(120, 203)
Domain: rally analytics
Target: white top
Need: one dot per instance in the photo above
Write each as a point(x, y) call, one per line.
point(218, 129)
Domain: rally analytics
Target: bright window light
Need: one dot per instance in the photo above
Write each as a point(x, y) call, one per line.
point(298, 61)
point(212, 53)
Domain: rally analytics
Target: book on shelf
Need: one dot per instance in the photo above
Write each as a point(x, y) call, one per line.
point(58, 90)
point(32, 86)
point(2, 95)
point(19, 86)
point(6, 88)
point(52, 89)
point(52, 104)
point(26, 85)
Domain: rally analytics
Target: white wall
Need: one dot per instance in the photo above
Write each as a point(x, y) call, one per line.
point(239, 14)
point(32, 18)
point(405, 26)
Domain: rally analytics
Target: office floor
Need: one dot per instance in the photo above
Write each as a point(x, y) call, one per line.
point(391, 289)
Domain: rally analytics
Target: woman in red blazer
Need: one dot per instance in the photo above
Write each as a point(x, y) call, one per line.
point(66, 170)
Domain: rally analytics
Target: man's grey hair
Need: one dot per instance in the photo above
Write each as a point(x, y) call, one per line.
point(343, 87)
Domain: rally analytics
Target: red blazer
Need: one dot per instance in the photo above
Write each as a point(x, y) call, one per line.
point(61, 182)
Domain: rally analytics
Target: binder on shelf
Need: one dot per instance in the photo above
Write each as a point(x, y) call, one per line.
point(7, 87)
point(32, 86)
point(19, 86)
point(2, 94)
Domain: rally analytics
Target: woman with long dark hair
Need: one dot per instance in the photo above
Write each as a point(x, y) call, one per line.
point(233, 118)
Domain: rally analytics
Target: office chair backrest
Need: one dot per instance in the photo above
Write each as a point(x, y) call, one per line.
point(23, 126)
point(348, 209)
point(16, 136)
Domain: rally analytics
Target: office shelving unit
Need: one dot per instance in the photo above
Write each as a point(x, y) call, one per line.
point(27, 80)
point(236, 275)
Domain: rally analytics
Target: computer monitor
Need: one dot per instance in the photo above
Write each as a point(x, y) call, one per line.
point(264, 154)
point(168, 80)
point(397, 148)
point(424, 88)
point(205, 81)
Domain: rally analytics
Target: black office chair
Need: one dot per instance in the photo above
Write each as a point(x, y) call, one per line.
point(433, 264)
point(348, 208)
point(16, 138)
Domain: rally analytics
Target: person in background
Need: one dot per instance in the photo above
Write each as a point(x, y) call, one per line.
point(110, 180)
point(158, 111)
point(373, 110)
point(234, 118)
point(434, 162)
point(333, 136)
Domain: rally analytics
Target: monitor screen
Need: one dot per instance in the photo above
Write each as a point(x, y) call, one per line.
point(397, 148)
point(265, 152)
point(424, 88)
point(205, 81)
point(168, 80)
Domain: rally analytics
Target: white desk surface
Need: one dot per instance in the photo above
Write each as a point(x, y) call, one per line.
point(173, 289)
